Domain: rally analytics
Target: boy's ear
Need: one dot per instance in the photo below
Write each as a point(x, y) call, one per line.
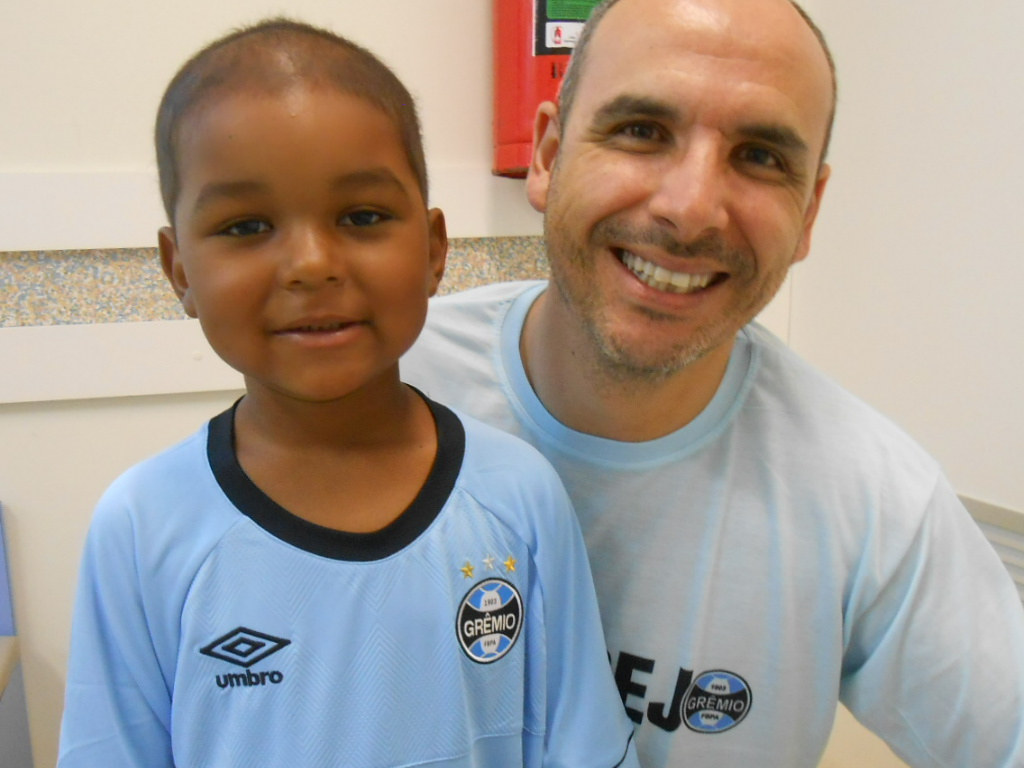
point(170, 260)
point(438, 235)
point(546, 140)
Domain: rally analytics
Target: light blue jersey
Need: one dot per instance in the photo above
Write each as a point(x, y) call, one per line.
point(213, 628)
point(788, 548)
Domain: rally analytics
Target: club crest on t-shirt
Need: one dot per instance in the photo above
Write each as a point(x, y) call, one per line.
point(716, 702)
point(489, 620)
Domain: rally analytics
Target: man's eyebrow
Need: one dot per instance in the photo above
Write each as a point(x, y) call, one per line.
point(777, 135)
point(632, 107)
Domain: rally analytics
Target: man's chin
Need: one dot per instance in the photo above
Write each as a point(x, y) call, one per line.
point(626, 359)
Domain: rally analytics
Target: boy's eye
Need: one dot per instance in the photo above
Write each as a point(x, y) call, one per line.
point(363, 218)
point(246, 228)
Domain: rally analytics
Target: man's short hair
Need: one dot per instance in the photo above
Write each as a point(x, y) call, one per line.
point(571, 82)
point(271, 56)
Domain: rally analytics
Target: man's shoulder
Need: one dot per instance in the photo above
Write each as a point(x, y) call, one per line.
point(487, 292)
point(802, 402)
point(455, 353)
point(482, 300)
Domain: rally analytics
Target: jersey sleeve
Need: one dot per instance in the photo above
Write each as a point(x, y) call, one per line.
point(585, 721)
point(117, 707)
point(934, 656)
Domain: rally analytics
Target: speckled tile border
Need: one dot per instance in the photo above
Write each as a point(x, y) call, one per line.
point(127, 285)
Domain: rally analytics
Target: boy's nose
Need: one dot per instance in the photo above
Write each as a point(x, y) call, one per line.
point(311, 258)
point(690, 194)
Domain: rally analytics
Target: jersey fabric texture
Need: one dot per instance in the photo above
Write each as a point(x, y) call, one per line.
point(213, 628)
point(788, 548)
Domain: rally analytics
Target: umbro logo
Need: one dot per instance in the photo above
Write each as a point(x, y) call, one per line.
point(244, 647)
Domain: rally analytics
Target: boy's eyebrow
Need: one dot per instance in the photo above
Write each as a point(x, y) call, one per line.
point(225, 190)
point(370, 177)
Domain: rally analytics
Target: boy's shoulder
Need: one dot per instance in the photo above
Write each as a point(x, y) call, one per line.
point(493, 450)
point(167, 492)
point(512, 480)
point(170, 468)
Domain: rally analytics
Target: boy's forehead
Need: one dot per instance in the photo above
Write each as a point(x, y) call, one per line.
point(263, 54)
point(234, 104)
point(244, 134)
point(269, 65)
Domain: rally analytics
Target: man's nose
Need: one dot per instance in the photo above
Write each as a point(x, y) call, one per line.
point(690, 194)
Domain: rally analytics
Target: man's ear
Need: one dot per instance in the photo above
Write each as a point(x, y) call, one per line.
point(438, 235)
point(546, 140)
point(170, 260)
point(811, 215)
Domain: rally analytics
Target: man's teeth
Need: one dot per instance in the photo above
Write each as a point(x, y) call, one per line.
point(664, 279)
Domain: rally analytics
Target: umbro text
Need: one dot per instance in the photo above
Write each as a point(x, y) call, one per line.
point(248, 679)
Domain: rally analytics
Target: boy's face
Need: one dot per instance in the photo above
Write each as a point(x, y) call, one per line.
point(301, 240)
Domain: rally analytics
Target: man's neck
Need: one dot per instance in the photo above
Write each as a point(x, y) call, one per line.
point(580, 391)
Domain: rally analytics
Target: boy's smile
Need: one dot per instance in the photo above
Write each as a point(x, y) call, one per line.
point(301, 240)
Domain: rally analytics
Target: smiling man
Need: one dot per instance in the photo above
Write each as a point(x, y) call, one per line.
point(763, 543)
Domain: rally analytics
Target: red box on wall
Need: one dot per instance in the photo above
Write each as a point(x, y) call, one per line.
point(533, 40)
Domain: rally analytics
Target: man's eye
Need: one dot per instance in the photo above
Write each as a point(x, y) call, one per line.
point(246, 228)
point(762, 157)
point(364, 218)
point(640, 131)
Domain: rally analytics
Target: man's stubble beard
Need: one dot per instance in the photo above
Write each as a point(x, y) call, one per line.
point(615, 360)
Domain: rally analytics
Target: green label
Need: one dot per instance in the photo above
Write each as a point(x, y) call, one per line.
point(571, 10)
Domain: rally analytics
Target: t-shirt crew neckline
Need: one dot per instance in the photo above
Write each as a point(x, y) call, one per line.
point(328, 542)
point(715, 417)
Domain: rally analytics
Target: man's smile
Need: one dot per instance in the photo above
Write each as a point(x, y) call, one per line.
point(664, 279)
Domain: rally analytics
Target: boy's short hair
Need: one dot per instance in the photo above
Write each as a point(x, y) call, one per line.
point(272, 56)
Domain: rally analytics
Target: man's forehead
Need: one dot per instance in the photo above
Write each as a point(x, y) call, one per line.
point(761, 30)
point(641, 45)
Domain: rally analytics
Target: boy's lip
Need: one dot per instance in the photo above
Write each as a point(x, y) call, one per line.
point(318, 324)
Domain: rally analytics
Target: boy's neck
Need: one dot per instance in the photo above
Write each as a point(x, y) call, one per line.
point(353, 464)
point(368, 416)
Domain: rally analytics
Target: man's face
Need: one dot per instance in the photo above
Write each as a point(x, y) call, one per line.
point(687, 178)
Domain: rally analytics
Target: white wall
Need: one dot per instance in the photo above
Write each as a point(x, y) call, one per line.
point(911, 294)
point(80, 84)
point(55, 461)
point(908, 298)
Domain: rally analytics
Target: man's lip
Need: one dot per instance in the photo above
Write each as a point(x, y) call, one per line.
point(661, 278)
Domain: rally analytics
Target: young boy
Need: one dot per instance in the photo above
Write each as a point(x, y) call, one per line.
point(336, 571)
